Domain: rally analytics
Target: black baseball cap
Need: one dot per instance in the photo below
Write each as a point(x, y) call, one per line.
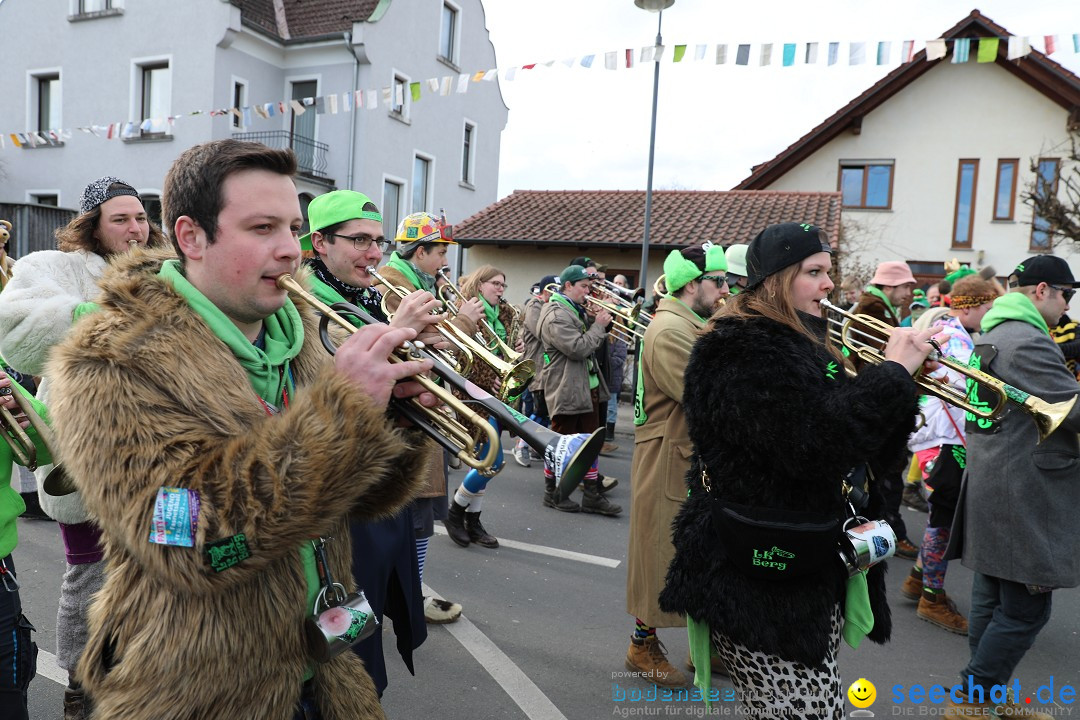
point(582, 261)
point(780, 246)
point(1049, 269)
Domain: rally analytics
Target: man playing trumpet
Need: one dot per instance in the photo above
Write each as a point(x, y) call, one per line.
point(213, 440)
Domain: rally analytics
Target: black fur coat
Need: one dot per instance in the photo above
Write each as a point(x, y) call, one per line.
point(778, 426)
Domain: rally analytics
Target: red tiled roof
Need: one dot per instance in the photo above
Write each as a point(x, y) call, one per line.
point(679, 217)
point(1036, 69)
point(306, 18)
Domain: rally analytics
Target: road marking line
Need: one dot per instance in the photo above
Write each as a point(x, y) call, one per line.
point(553, 552)
point(47, 667)
point(523, 691)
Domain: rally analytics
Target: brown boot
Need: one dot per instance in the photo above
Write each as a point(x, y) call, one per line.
point(912, 587)
point(938, 609)
point(1011, 710)
point(594, 502)
point(968, 710)
point(905, 549)
point(647, 656)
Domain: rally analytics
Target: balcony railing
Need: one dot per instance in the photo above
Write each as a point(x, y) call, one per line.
point(310, 155)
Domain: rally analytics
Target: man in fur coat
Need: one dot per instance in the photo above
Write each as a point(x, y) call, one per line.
point(214, 441)
point(662, 448)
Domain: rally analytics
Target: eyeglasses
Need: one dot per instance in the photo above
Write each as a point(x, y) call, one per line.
point(363, 242)
point(500, 285)
point(1066, 293)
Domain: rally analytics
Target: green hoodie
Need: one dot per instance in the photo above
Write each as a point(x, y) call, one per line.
point(1014, 306)
point(268, 370)
point(11, 504)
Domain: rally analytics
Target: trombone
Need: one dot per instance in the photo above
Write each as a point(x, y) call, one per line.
point(22, 447)
point(623, 298)
point(468, 436)
point(462, 359)
point(626, 325)
point(450, 295)
point(866, 337)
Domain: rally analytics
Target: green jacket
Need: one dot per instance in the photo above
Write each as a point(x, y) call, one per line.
point(11, 504)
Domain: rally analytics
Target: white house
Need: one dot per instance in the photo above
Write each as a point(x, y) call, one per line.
point(932, 160)
point(80, 63)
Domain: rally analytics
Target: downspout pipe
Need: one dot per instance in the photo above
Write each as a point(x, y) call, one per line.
point(354, 118)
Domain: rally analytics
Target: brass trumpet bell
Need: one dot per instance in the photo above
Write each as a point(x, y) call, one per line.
point(866, 337)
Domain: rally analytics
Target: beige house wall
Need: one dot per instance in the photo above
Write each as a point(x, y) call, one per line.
point(953, 112)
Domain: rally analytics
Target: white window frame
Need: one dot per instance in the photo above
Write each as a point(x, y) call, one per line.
point(470, 172)
point(237, 124)
point(33, 94)
point(31, 193)
point(405, 115)
point(404, 197)
point(455, 40)
point(138, 67)
point(287, 94)
point(429, 191)
point(115, 7)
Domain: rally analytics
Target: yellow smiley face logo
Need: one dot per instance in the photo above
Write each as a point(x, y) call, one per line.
point(862, 693)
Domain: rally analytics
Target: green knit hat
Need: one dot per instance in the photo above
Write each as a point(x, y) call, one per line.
point(678, 271)
point(336, 207)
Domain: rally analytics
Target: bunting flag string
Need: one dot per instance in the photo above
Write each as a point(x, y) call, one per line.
point(985, 50)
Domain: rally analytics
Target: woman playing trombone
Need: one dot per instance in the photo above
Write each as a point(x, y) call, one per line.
point(486, 284)
point(777, 427)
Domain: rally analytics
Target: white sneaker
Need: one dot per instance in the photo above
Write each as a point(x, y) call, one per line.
point(440, 612)
point(521, 455)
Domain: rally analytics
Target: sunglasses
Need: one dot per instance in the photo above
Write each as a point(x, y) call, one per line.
point(1066, 293)
point(718, 279)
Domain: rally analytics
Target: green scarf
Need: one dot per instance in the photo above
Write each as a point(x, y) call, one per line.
point(876, 292)
point(858, 617)
point(491, 312)
point(1014, 306)
point(410, 271)
point(267, 370)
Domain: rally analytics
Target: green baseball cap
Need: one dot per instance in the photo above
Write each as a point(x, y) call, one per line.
point(572, 274)
point(336, 207)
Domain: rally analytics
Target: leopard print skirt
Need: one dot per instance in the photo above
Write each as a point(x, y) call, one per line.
point(777, 689)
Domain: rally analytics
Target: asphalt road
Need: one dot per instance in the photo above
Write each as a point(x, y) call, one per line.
point(545, 629)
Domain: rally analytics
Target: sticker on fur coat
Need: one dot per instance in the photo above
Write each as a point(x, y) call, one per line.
point(176, 517)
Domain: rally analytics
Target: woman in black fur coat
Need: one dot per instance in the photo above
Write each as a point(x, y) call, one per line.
point(777, 426)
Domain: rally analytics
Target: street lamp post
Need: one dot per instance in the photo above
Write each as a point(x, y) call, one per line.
point(656, 6)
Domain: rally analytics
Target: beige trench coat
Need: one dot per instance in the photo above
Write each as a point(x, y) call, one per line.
point(662, 451)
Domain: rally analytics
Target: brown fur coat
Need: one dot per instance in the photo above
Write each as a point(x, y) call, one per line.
point(145, 396)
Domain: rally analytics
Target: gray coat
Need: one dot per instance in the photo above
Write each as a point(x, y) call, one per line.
point(568, 347)
point(1017, 516)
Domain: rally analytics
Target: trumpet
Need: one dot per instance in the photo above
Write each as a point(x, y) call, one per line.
point(468, 435)
point(22, 447)
point(866, 337)
point(462, 358)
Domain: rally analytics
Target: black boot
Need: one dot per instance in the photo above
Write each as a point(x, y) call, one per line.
point(564, 504)
point(455, 524)
point(76, 704)
point(610, 431)
point(594, 502)
point(477, 533)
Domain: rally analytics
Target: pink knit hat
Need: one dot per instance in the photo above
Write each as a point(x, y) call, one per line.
point(892, 273)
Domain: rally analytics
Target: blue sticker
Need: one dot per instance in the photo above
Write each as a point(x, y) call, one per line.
point(176, 516)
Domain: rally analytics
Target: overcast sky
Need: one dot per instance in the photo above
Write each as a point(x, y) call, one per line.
point(589, 129)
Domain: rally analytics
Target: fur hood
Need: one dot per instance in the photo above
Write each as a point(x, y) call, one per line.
point(146, 396)
point(778, 425)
